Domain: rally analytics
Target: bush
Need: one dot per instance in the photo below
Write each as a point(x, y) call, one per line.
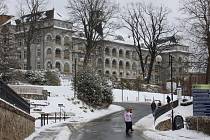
point(35, 77)
point(93, 89)
point(52, 78)
point(199, 124)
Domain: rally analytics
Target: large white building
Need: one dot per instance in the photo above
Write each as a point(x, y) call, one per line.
point(57, 46)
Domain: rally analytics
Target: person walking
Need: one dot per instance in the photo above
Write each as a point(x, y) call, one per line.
point(159, 104)
point(168, 99)
point(153, 107)
point(128, 120)
point(131, 114)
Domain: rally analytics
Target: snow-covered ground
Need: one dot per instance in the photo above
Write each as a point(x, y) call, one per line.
point(78, 113)
point(148, 127)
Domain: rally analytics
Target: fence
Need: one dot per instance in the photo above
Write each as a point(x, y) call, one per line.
point(10, 96)
point(163, 109)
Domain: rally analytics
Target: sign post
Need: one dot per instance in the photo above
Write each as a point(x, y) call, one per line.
point(179, 93)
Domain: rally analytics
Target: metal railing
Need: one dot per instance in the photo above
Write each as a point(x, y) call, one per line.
point(163, 109)
point(10, 96)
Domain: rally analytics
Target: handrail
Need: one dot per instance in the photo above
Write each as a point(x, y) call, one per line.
point(10, 96)
point(165, 108)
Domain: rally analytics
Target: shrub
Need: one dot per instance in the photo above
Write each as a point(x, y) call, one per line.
point(198, 123)
point(93, 89)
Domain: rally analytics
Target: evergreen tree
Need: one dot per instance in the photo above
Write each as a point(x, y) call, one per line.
point(93, 89)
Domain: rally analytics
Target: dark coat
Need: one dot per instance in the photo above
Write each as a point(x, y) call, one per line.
point(168, 99)
point(153, 106)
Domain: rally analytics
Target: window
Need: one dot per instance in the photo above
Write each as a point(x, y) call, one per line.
point(66, 68)
point(38, 65)
point(58, 40)
point(66, 54)
point(66, 41)
point(24, 66)
point(128, 54)
point(127, 65)
point(107, 51)
point(107, 63)
point(49, 65)
point(19, 55)
point(114, 52)
point(58, 66)
point(107, 73)
point(38, 52)
point(121, 64)
point(120, 53)
point(58, 53)
point(49, 51)
point(100, 62)
point(134, 67)
point(114, 64)
point(49, 38)
point(24, 54)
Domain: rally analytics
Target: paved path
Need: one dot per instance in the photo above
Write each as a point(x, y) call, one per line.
point(112, 127)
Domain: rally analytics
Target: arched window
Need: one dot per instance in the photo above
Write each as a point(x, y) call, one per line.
point(49, 51)
point(127, 54)
point(134, 67)
point(114, 73)
point(66, 41)
point(49, 65)
point(114, 52)
point(114, 63)
point(107, 51)
point(49, 38)
point(66, 68)
point(107, 73)
point(134, 55)
point(100, 62)
point(58, 40)
point(58, 53)
point(66, 54)
point(120, 53)
point(121, 64)
point(127, 65)
point(58, 66)
point(107, 63)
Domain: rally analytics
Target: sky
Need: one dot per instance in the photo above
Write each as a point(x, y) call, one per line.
point(59, 6)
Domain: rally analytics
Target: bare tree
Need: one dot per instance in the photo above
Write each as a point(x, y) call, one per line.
point(197, 23)
point(148, 25)
point(94, 18)
point(28, 23)
point(3, 7)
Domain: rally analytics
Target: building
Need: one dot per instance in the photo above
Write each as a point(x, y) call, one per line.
point(58, 46)
point(51, 46)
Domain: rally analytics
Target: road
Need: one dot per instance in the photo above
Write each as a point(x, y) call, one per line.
point(112, 127)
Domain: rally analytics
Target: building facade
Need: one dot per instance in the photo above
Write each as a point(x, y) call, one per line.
point(58, 46)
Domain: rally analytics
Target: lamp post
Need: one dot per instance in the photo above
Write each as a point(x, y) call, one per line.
point(75, 74)
point(159, 60)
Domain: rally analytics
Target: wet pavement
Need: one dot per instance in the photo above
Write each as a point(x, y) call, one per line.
point(112, 127)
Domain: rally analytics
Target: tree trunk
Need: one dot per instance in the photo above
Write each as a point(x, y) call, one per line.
point(150, 68)
point(28, 53)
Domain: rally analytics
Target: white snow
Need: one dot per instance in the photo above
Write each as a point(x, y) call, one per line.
point(148, 127)
point(79, 113)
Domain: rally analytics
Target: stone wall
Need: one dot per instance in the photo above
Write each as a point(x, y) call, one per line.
point(14, 123)
point(198, 123)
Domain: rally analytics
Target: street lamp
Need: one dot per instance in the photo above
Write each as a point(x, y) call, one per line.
point(159, 60)
point(75, 73)
point(121, 83)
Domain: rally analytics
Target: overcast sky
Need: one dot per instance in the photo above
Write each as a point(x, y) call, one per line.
point(59, 6)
